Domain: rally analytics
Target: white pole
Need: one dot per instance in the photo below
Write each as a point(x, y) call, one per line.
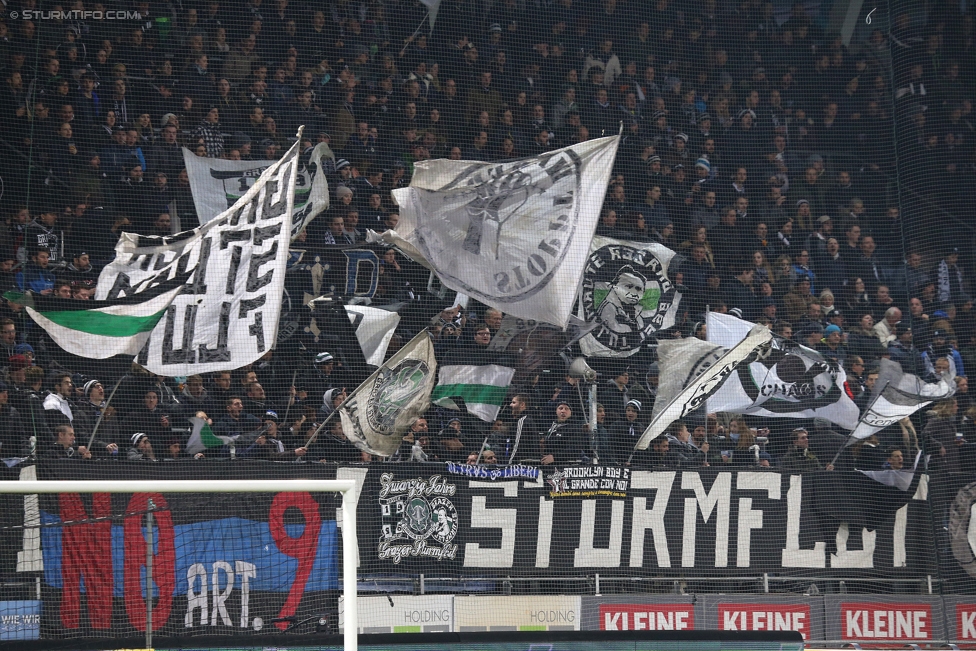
point(350, 553)
point(181, 486)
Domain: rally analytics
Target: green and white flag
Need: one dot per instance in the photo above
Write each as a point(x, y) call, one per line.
point(101, 329)
point(202, 438)
point(482, 387)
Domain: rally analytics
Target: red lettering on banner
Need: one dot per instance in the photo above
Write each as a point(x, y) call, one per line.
point(164, 562)
point(303, 549)
point(966, 621)
point(863, 621)
point(647, 617)
point(765, 617)
point(86, 553)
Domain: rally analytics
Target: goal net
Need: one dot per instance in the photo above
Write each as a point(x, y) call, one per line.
point(126, 559)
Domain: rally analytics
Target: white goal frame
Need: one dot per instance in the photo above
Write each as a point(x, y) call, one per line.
point(350, 546)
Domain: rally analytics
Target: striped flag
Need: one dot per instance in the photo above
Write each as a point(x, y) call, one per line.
point(202, 438)
point(102, 329)
point(482, 387)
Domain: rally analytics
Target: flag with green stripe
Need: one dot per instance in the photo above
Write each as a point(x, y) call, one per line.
point(101, 329)
point(202, 437)
point(482, 387)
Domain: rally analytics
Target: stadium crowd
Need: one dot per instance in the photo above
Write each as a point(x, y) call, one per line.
point(805, 182)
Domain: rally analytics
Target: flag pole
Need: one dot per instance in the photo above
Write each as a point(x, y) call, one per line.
point(414, 35)
point(484, 444)
point(323, 424)
point(91, 439)
point(290, 402)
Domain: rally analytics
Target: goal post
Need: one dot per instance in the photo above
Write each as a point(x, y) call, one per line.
point(347, 487)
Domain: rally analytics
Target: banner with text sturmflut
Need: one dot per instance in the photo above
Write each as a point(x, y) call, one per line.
point(426, 518)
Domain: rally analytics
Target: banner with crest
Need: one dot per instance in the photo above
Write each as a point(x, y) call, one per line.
point(626, 295)
point(384, 406)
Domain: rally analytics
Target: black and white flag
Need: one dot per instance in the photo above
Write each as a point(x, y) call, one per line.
point(626, 295)
point(514, 235)
point(898, 395)
point(692, 370)
point(792, 381)
point(217, 184)
point(227, 315)
point(382, 408)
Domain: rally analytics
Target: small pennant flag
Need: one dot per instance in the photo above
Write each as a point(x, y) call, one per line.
point(101, 329)
point(202, 438)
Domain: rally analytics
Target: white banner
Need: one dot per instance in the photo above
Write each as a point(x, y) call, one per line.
point(515, 235)
point(792, 381)
point(626, 294)
point(374, 330)
point(217, 184)
point(691, 371)
point(228, 313)
point(898, 395)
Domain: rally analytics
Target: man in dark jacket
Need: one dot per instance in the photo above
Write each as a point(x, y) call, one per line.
point(563, 443)
point(625, 433)
point(63, 446)
point(741, 294)
point(269, 446)
point(13, 437)
point(150, 418)
point(87, 412)
point(800, 458)
point(683, 452)
point(235, 422)
point(29, 402)
point(520, 440)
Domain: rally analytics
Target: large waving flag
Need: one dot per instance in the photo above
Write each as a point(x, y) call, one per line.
point(791, 381)
point(227, 315)
point(514, 235)
point(692, 370)
point(102, 329)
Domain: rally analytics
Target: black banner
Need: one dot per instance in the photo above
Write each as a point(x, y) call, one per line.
point(238, 565)
point(709, 522)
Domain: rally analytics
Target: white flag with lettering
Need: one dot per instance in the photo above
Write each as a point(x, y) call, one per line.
point(514, 235)
point(227, 315)
point(692, 370)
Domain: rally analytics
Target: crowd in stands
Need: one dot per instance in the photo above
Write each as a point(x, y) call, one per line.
point(817, 187)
